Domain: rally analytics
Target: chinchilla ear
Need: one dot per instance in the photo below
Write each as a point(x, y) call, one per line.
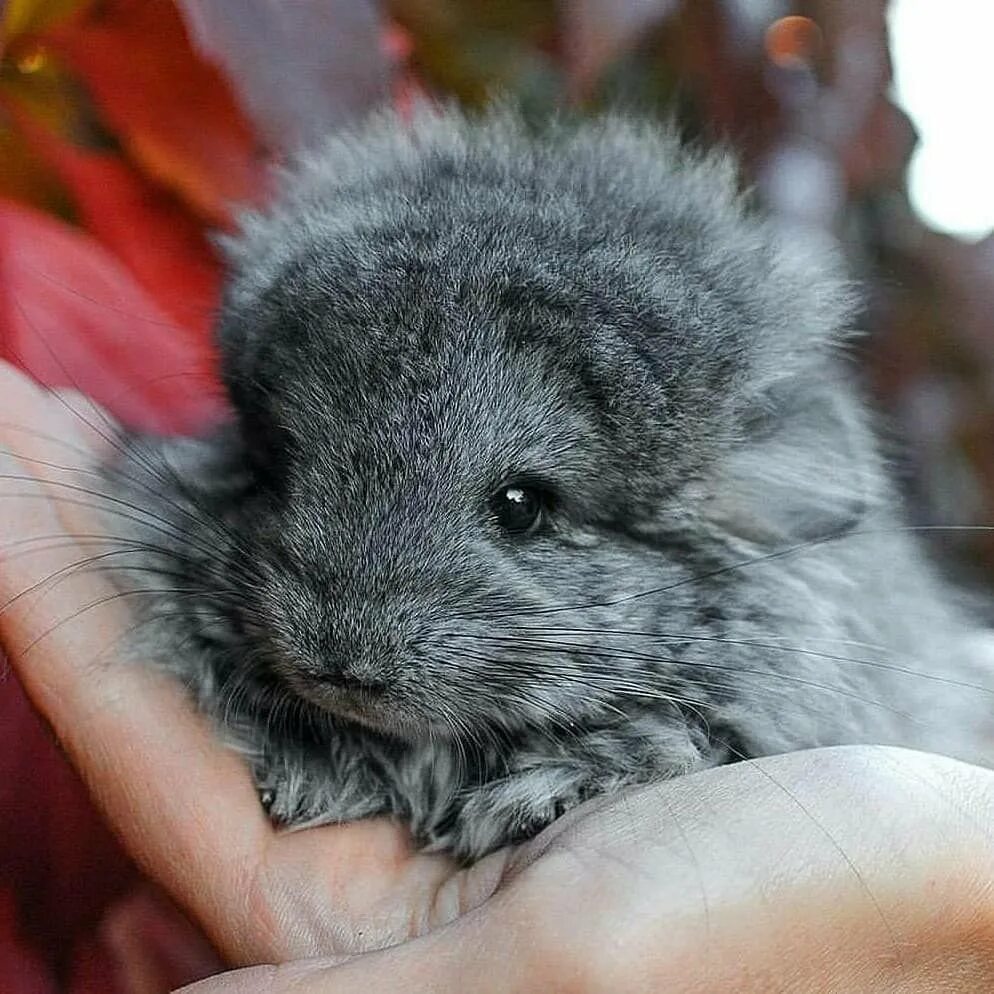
point(806, 469)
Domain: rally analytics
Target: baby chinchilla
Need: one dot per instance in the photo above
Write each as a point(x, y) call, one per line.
point(545, 477)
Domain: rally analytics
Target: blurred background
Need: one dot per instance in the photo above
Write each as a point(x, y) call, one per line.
point(130, 130)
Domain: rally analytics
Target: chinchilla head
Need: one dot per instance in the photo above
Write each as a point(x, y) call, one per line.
point(503, 396)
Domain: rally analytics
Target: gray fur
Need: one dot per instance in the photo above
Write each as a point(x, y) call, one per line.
point(432, 310)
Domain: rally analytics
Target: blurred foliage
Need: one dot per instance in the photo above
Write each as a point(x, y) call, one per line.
point(142, 122)
point(474, 49)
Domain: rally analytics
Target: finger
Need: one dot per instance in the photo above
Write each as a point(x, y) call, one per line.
point(360, 887)
point(186, 808)
point(470, 955)
point(86, 433)
point(92, 425)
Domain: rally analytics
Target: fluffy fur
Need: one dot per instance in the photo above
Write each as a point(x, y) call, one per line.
point(433, 310)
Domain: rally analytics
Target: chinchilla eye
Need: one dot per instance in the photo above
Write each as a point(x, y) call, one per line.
point(517, 508)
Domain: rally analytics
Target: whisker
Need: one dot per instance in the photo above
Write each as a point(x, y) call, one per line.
point(112, 308)
point(597, 651)
point(789, 649)
point(610, 683)
point(173, 592)
point(134, 481)
point(142, 516)
point(723, 570)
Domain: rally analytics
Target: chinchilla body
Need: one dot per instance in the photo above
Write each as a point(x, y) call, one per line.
point(545, 476)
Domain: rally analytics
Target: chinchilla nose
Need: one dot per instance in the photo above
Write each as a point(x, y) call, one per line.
point(358, 664)
point(360, 647)
point(345, 678)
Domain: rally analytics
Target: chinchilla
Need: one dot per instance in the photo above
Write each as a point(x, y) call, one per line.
point(545, 476)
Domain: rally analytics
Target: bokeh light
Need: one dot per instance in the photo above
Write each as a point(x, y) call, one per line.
point(944, 78)
point(793, 41)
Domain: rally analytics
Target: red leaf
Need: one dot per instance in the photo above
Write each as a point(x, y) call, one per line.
point(173, 111)
point(72, 315)
point(144, 226)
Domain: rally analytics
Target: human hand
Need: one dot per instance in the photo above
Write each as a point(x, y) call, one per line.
point(848, 869)
point(854, 870)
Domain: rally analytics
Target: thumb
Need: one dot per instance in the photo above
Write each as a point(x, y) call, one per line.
point(460, 958)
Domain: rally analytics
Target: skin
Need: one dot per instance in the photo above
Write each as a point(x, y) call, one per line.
point(852, 869)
